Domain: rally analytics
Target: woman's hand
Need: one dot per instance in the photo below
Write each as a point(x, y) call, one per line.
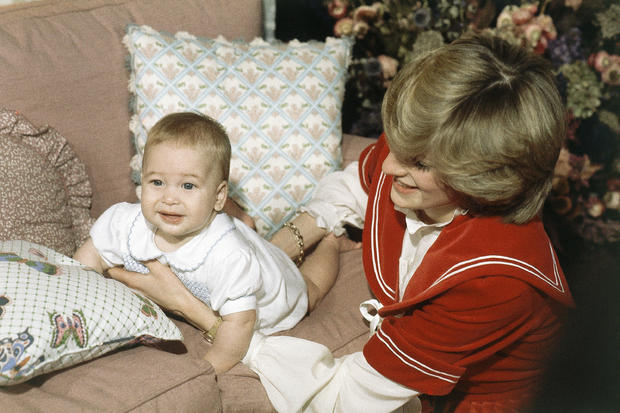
point(164, 287)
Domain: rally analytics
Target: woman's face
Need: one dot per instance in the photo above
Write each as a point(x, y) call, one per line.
point(416, 187)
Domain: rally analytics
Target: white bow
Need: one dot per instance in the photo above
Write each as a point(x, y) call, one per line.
point(370, 311)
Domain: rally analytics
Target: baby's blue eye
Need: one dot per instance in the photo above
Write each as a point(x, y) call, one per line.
point(188, 186)
point(157, 182)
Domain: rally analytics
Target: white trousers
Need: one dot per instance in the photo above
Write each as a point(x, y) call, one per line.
point(303, 376)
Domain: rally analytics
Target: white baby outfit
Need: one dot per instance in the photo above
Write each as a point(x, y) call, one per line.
point(227, 265)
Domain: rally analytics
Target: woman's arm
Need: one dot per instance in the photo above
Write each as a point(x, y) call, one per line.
point(165, 288)
point(338, 200)
point(231, 340)
point(311, 233)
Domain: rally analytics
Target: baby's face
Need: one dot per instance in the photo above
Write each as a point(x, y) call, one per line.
point(180, 193)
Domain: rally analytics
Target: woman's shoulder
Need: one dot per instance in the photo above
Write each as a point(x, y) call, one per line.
point(493, 231)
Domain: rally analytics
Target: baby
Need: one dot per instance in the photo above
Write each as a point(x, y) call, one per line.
point(250, 284)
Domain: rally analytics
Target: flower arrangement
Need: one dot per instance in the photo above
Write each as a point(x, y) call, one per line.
point(580, 39)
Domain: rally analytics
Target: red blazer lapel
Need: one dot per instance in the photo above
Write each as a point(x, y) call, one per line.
point(477, 247)
point(384, 227)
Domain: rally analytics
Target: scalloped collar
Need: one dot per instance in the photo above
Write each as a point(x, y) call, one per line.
point(190, 256)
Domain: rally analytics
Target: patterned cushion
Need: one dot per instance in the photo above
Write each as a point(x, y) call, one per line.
point(54, 313)
point(46, 193)
point(280, 104)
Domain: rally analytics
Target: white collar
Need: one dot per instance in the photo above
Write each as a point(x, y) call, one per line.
point(190, 256)
point(414, 223)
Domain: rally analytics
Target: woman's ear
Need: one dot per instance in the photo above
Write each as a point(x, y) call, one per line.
point(221, 196)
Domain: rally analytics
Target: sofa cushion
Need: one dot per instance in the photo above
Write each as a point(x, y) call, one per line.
point(55, 313)
point(46, 193)
point(280, 104)
point(63, 63)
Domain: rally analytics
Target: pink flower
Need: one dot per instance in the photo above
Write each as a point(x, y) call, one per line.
point(546, 24)
point(572, 3)
point(505, 17)
point(532, 8)
point(611, 74)
point(533, 34)
point(389, 67)
point(538, 31)
point(337, 9)
point(522, 16)
point(360, 28)
point(601, 61)
point(541, 46)
point(366, 13)
point(343, 27)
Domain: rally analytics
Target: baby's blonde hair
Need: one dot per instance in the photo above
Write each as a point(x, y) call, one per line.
point(487, 117)
point(194, 130)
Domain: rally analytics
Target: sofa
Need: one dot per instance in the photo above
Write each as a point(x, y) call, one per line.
point(63, 69)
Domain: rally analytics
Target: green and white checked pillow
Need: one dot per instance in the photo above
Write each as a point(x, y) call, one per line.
point(54, 313)
point(279, 102)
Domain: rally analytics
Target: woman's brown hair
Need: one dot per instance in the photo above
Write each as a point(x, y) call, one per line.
point(487, 116)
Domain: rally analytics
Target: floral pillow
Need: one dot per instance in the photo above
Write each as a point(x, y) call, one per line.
point(54, 313)
point(279, 102)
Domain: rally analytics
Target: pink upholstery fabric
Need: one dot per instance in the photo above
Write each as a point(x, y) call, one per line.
point(62, 63)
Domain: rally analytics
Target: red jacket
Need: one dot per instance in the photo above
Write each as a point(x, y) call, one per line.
point(479, 317)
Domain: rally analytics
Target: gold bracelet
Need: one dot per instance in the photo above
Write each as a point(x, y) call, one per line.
point(300, 242)
point(209, 335)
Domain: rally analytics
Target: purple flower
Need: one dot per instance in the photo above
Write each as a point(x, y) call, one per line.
point(566, 49)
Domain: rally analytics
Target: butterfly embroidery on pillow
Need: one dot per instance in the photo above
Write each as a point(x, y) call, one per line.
point(12, 350)
point(41, 266)
point(72, 326)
